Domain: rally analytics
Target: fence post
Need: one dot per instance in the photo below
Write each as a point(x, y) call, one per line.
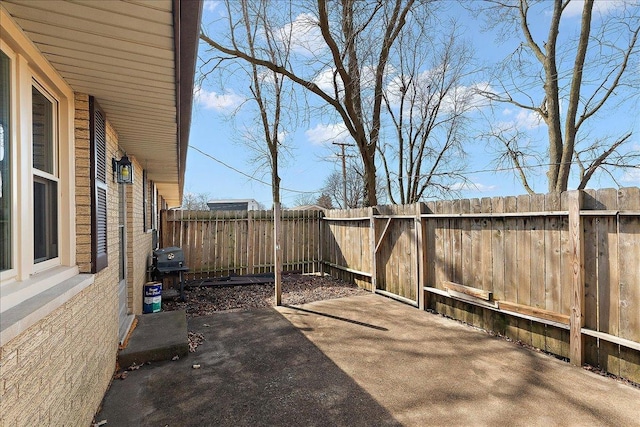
point(576, 248)
point(277, 231)
point(321, 231)
point(419, 255)
point(372, 249)
point(249, 242)
point(164, 225)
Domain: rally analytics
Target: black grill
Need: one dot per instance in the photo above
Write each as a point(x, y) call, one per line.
point(170, 262)
point(169, 259)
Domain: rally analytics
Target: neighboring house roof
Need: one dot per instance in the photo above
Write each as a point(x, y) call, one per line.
point(138, 59)
point(233, 201)
point(233, 205)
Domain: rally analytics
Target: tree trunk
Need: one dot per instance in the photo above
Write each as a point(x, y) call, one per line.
point(370, 195)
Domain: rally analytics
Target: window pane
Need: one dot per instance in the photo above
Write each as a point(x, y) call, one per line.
point(5, 166)
point(42, 132)
point(45, 219)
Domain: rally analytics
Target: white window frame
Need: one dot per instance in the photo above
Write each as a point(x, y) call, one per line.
point(29, 68)
point(53, 177)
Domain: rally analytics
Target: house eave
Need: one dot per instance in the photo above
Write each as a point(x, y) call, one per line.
point(138, 60)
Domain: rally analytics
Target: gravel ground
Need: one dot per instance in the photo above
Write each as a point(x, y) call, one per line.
point(296, 289)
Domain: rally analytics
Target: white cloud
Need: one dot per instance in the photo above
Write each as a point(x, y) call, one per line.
point(459, 99)
point(631, 176)
point(211, 5)
point(303, 34)
point(324, 80)
point(473, 186)
point(227, 101)
point(322, 134)
point(529, 120)
point(524, 120)
point(574, 8)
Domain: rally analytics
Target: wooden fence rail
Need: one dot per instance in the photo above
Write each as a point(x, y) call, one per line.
point(558, 272)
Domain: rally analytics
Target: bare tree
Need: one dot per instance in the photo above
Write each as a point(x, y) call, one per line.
point(570, 82)
point(303, 199)
point(333, 188)
point(356, 191)
point(324, 201)
point(427, 103)
point(268, 90)
point(195, 201)
point(356, 38)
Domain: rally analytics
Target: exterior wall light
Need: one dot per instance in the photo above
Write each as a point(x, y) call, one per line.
point(123, 170)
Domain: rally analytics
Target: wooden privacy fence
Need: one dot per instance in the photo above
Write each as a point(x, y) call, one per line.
point(219, 243)
point(559, 272)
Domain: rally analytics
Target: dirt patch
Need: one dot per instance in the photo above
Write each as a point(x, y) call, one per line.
point(296, 289)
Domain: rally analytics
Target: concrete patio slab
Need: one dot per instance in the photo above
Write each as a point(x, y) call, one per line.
point(158, 336)
point(361, 361)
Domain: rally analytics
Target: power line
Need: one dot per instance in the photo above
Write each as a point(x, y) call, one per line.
point(253, 178)
point(502, 169)
point(344, 156)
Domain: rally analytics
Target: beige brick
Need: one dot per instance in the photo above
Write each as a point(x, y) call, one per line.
point(84, 240)
point(83, 187)
point(31, 351)
point(82, 133)
point(83, 220)
point(9, 396)
point(57, 413)
point(83, 195)
point(81, 99)
point(83, 166)
point(83, 178)
point(82, 115)
point(61, 320)
point(83, 210)
point(29, 417)
point(83, 200)
point(83, 152)
point(8, 359)
point(80, 123)
point(82, 144)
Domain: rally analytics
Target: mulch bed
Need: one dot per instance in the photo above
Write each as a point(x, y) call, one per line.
point(296, 289)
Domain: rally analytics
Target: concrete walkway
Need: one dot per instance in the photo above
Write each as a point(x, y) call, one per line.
point(361, 361)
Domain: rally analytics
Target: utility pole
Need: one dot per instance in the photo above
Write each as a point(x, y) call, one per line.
point(344, 170)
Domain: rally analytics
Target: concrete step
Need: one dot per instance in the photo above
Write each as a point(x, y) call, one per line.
point(157, 337)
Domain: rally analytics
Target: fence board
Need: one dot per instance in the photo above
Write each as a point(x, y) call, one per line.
point(608, 280)
point(523, 266)
point(566, 259)
point(510, 252)
point(497, 244)
point(629, 241)
point(590, 242)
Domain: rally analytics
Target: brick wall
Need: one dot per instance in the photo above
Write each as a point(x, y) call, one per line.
point(83, 183)
point(57, 371)
point(139, 242)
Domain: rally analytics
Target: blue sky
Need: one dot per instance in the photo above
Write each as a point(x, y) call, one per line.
point(312, 157)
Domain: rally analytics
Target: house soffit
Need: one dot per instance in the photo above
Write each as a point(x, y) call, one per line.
point(124, 54)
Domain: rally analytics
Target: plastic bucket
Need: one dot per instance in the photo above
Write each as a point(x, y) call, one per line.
point(152, 297)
